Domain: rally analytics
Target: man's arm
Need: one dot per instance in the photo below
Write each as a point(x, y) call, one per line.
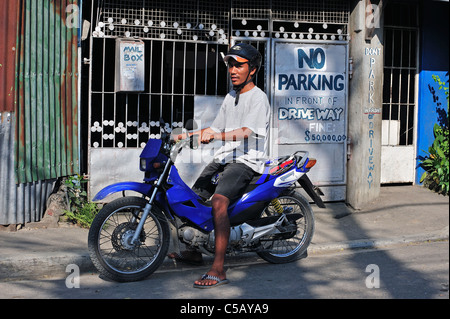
point(208, 134)
point(239, 134)
point(185, 135)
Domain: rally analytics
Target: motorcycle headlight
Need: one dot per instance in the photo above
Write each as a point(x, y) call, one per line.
point(143, 164)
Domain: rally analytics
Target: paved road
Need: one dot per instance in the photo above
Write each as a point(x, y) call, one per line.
point(401, 271)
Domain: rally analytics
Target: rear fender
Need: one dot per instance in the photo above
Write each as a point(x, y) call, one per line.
point(311, 190)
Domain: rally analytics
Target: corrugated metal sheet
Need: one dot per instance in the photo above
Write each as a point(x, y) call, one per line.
point(8, 31)
point(47, 92)
point(38, 105)
point(19, 203)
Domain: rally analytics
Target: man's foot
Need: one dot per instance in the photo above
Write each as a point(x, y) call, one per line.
point(211, 279)
point(188, 257)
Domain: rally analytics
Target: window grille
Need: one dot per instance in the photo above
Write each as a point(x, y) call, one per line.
point(200, 20)
point(400, 70)
point(190, 20)
point(176, 73)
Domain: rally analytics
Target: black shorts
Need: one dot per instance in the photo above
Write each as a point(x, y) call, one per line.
point(234, 178)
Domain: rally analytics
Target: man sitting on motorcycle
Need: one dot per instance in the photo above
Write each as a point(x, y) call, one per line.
point(242, 125)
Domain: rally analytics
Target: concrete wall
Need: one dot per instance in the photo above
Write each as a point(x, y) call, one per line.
point(365, 104)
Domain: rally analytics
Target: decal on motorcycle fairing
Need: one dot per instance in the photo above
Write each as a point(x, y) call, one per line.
point(288, 179)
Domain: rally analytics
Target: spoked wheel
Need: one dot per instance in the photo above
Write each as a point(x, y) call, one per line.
point(295, 234)
point(112, 249)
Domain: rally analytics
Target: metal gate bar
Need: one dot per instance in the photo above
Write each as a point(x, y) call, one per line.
point(167, 92)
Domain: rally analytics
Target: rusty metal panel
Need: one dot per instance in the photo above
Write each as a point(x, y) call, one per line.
point(26, 202)
point(47, 92)
point(8, 32)
point(19, 203)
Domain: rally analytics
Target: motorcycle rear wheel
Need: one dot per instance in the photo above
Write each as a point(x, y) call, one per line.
point(109, 240)
point(293, 245)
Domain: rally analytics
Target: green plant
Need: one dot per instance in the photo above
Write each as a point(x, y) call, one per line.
point(442, 86)
point(84, 216)
point(80, 211)
point(436, 164)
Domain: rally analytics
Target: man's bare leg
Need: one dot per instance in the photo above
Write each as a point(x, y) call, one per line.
point(222, 234)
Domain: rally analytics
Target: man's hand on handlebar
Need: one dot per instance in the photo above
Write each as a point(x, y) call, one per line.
point(204, 136)
point(207, 136)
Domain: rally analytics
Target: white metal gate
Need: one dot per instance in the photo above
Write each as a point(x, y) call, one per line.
point(183, 42)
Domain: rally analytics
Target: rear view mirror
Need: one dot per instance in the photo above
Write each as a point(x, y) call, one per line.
point(191, 125)
point(193, 143)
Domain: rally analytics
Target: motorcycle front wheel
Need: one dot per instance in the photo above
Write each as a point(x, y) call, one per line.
point(294, 238)
point(110, 240)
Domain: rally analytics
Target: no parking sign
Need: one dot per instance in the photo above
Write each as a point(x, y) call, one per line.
point(310, 93)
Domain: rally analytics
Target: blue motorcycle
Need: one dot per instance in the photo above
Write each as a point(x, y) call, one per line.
point(130, 236)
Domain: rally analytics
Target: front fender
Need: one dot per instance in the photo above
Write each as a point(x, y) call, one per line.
point(142, 188)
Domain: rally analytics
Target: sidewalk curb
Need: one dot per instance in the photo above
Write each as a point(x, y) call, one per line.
point(380, 243)
point(54, 265)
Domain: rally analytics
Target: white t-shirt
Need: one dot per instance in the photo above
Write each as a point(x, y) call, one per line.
point(253, 112)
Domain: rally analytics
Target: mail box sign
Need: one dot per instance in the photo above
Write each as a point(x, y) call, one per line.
point(130, 66)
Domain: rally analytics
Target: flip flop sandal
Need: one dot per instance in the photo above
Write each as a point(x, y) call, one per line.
point(209, 277)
